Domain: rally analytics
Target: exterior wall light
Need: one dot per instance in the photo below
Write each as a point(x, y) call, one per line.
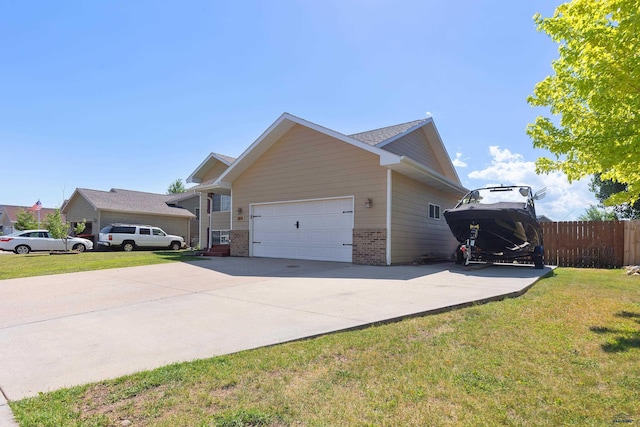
point(368, 203)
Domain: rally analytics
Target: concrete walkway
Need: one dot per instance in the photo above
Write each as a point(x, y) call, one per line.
point(63, 330)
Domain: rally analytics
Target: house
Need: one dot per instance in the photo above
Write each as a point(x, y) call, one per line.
point(9, 216)
point(214, 207)
point(303, 191)
point(101, 208)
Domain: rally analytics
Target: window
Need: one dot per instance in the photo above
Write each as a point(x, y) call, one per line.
point(220, 237)
point(120, 229)
point(145, 231)
point(158, 232)
point(221, 203)
point(434, 211)
point(197, 214)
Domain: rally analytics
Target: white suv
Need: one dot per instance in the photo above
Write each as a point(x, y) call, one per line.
point(131, 236)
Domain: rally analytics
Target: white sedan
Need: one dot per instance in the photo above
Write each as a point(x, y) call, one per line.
point(23, 242)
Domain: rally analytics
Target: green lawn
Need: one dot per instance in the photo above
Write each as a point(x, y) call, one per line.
point(565, 353)
point(41, 263)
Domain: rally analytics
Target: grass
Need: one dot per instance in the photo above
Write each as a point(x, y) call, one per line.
point(41, 263)
point(566, 353)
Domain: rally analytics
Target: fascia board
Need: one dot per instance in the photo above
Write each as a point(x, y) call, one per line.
point(446, 156)
point(192, 179)
point(185, 215)
point(441, 150)
point(283, 124)
point(84, 196)
point(408, 162)
point(406, 132)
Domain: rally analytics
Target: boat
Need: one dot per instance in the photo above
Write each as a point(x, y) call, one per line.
point(497, 223)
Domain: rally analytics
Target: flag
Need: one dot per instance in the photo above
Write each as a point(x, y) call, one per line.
point(37, 206)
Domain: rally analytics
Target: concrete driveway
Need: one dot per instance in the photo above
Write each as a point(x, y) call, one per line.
point(69, 329)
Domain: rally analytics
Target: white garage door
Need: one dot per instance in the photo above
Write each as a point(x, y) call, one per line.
point(317, 230)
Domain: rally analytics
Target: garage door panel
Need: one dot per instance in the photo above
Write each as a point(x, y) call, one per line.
point(324, 230)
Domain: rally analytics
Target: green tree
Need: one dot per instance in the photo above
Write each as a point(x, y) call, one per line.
point(598, 214)
point(25, 220)
point(594, 94)
point(604, 188)
point(176, 187)
point(59, 228)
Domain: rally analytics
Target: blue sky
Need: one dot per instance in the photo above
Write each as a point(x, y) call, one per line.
point(122, 94)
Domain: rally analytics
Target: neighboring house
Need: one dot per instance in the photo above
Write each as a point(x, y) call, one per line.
point(9, 216)
point(544, 218)
point(303, 191)
point(214, 209)
point(189, 200)
point(101, 208)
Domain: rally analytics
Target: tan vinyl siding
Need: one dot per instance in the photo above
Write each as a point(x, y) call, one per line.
point(191, 204)
point(171, 225)
point(413, 233)
point(446, 167)
point(214, 172)
point(220, 221)
point(305, 164)
point(416, 146)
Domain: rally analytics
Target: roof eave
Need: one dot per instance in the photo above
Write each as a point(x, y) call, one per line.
point(194, 179)
point(219, 187)
point(185, 215)
point(421, 173)
point(270, 136)
point(406, 132)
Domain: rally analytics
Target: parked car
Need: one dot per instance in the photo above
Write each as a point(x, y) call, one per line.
point(23, 242)
point(131, 236)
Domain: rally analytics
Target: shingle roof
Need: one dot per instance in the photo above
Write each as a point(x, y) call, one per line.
point(229, 159)
point(376, 136)
point(133, 201)
point(178, 197)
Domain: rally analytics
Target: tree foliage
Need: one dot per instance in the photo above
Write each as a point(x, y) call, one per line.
point(604, 188)
point(594, 94)
point(176, 187)
point(598, 214)
point(59, 228)
point(25, 220)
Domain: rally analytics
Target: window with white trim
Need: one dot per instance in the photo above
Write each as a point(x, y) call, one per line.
point(434, 211)
point(221, 203)
point(220, 237)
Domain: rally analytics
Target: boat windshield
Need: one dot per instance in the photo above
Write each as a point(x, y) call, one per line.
point(498, 194)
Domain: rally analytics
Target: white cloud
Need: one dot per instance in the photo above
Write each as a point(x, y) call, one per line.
point(458, 162)
point(564, 200)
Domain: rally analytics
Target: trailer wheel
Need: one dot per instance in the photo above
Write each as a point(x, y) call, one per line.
point(538, 260)
point(459, 255)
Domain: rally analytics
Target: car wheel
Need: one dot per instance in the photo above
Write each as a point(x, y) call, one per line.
point(128, 246)
point(22, 249)
point(79, 247)
point(175, 246)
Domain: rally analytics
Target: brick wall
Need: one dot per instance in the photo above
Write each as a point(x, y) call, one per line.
point(239, 242)
point(370, 246)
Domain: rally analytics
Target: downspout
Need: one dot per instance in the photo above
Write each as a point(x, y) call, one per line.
point(200, 220)
point(389, 193)
point(210, 213)
point(230, 212)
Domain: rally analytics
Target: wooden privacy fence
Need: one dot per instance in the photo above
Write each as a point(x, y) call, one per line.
point(596, 244)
